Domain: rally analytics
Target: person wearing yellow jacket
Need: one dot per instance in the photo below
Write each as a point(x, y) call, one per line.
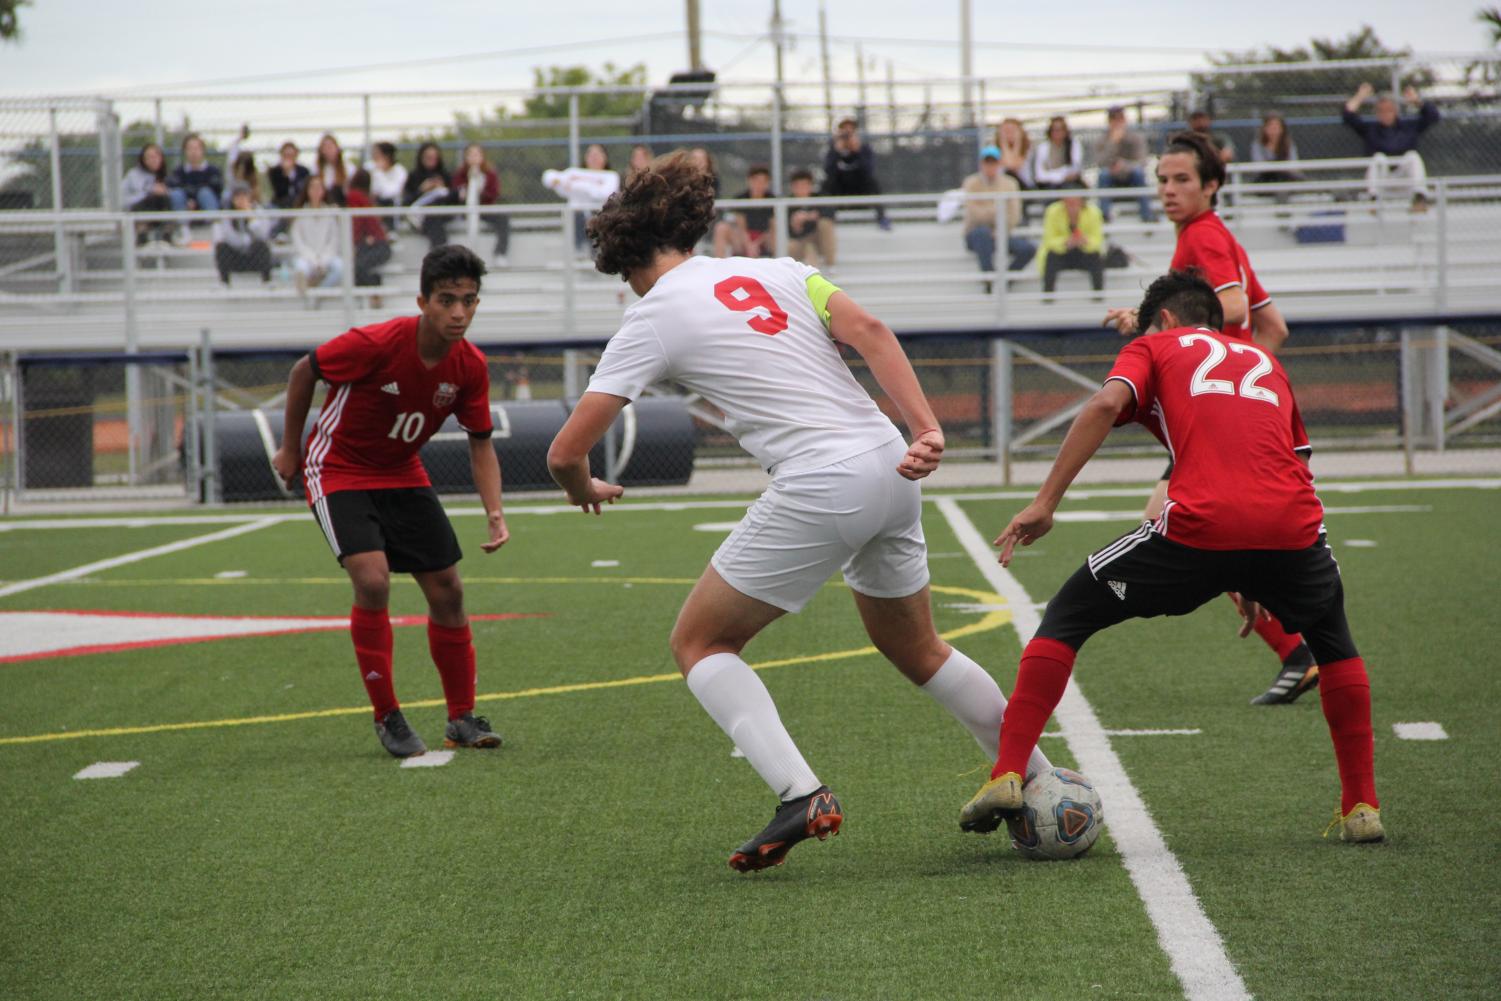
point(1073, 237)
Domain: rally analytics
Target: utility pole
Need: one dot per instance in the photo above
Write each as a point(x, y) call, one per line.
point(860, 77)
point(823, 45)
point(778, 40)
point(967, 59)
point(891, 92)
point(695, 51)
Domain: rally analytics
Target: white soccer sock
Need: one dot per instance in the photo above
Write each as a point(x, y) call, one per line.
point(731, 693)
point(967, 691)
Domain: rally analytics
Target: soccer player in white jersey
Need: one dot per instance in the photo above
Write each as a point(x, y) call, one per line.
point(760, 340)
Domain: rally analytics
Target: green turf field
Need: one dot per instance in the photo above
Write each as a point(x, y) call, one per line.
point(266, 847)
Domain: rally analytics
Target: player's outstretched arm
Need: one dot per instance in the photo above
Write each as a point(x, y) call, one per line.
point(300, 383)
point(568, 456)
point(485, 466)
point(1084, 438)
point(1268, 328)
point(874, 341)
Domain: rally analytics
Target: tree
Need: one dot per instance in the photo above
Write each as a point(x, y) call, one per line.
point(1235, 95)
point(1487, 72)
point(10, 19)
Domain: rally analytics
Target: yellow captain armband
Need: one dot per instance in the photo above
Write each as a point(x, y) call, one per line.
point(820, 290)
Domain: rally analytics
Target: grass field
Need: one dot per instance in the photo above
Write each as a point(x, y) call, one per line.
point(266, 847)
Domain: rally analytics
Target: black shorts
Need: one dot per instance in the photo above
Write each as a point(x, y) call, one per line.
point(1142, 575)
point(408, 524)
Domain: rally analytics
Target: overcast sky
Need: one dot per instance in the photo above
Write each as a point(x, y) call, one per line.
point(72, 46)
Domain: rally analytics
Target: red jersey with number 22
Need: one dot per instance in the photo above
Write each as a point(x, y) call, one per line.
point(1225, 410)
point(384, 404)
point(1205, 244)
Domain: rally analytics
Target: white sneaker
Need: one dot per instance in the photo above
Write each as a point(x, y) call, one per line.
point(501, 261)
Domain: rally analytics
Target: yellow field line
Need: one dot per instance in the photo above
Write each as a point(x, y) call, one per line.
point(992, 620)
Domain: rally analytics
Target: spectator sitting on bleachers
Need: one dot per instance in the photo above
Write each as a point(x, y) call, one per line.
point(587, 188)
point(1202, 122)
point(849, 167)
point(641, 157)
point(1274, 144)
point(243, 172)
point(427, 184)
point(315, 241)
point(1073, 238)
point(332, 169)
point(372, 248)
point(242, 242)
point(811, 237)
point(1058, 161)
point(196, 183)
point(387, 177)
point(1391, 136)
point(980, 215)
point(1122, 158)
point(747, 232)
point(1016, 151)
point(476, 183)
point(144, 189)
point(287, 177)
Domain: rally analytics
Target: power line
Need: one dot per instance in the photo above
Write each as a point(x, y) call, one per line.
point(953, 43)
point(658, 36)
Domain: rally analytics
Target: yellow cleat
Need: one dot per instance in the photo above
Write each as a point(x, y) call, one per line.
point(997, 799)
point(1362, 825)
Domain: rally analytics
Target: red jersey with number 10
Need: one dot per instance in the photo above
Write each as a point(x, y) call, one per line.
point(384, 403)
point(1225, 410)
point(1206, 245)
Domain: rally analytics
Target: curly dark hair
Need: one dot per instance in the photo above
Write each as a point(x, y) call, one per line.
point(1203, 150)
point(1188, 295)
point(667, 206)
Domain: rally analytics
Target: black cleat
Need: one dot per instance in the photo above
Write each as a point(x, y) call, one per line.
point(1298, 674)
point(470, 730)
point(398, 737)
point(816, 815)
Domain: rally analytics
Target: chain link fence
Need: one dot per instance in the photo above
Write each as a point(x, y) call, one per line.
point(919, 129)
point(208, 423)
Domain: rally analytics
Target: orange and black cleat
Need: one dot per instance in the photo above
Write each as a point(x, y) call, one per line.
point(816, 815)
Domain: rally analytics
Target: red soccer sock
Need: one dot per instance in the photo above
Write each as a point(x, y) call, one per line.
point(1040, 680)
point(371, 632)
point(453, 653)
point(1345, 692)
point(1282, 642)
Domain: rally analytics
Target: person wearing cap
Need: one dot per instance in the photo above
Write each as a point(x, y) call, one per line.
point(980, 214)
point(241, 240)
point(1121, 155)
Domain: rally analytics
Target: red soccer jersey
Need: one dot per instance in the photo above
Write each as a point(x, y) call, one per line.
point(1225, 410)
point(384, 404)
point(1204, 243)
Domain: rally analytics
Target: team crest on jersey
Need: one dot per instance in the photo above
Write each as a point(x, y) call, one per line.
point(446, 394)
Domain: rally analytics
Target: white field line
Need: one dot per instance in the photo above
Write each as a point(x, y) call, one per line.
point(1184, 932)
point(135, 557)
point(432, 759)
point(106, 769)
point(703, 505)
point(1420, 731)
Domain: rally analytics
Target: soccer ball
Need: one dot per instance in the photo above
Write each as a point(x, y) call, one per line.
point(1060, 818)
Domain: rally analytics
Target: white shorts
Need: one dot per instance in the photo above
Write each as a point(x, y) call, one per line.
point(860, 516)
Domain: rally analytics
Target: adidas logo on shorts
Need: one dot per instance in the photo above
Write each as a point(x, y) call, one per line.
point(391, 388)
point(1119, 587)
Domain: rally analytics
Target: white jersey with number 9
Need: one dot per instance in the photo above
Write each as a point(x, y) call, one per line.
point(749, 336)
